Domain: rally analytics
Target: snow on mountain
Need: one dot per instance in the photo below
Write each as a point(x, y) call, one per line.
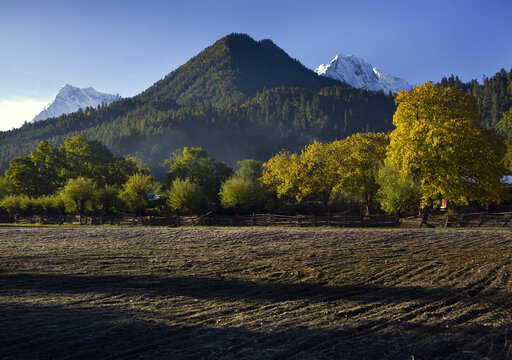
point(358, 73)
point(69, 99)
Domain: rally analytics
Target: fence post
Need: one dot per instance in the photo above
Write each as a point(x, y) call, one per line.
point(253, 219)
point(481, 220)
point(177, 220)
point(423, 219)
point(329, 218)
point(505, 220)
point(314, 220)
point(269, 219)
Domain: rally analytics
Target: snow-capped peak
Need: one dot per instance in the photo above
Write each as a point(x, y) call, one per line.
point(358, 73)
point(69, 99)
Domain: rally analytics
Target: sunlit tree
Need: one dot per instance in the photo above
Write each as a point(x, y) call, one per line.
point(439, 145)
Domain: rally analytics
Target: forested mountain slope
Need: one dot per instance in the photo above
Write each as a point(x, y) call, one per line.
point(233, 69)
point(493, 95)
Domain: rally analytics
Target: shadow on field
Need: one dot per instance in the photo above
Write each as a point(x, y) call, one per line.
point(52, 332)
point(229, 289)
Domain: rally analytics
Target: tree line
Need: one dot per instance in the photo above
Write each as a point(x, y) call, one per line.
point(492, 94)
point(438, 151)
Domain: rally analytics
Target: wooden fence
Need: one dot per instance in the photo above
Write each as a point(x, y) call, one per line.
point(340, 220)
point(478, 219)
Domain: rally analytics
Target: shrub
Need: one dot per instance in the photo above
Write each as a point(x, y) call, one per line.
point(238, 193)
point(78, 194)
point(135, 192)
point(11, 204)
point(185, 196)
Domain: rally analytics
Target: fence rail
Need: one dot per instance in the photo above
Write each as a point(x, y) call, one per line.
point(339, 220)
point(479, 219)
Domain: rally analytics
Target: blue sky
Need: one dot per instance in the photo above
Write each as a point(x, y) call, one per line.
point(125, 46)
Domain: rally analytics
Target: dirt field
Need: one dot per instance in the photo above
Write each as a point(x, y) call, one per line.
point(254, 293)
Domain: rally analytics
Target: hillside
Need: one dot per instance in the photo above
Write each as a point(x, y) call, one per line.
point(494, 94)
point(233, 69)
point(235, 99)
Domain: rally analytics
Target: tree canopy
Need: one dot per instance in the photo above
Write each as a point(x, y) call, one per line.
point(439, 144)
point(79, 193)
point(185, 196)
point(135, 192)
point(194, 164)
point(47, 168)
point(358, 159)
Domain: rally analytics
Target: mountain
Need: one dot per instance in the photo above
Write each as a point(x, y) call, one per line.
point(69, 99)
point(233, 70)
point(358, 73)
point(239, 98)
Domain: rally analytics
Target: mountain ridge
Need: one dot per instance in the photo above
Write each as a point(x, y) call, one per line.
point(358, 73)
point(70, 99)
point(232, 70)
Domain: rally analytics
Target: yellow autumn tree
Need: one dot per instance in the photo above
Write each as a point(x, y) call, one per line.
point(278, 175)
point(439, 145)
point(311, 175)
point(358, 159)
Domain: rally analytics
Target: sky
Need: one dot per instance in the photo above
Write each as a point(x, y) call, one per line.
point(125, 46)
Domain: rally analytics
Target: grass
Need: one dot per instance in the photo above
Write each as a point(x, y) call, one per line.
point(254, 293)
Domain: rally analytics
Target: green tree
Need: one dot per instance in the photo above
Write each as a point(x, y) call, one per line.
point(6, 187)
point(49, 162)
point(195, 165)
point(135, 192)
point(79, 194)
point(185, 196)
point(87, 158)
point(50, 204)
point(397, 194)
point(107, 197)
point(249, 169)
point(36, 174)
point(120, 169)
point(11, 204)
point(47, 168)
point(24, 176)
point(239, 193)
point(439, 144)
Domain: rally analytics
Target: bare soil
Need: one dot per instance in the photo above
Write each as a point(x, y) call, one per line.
point(254, 293)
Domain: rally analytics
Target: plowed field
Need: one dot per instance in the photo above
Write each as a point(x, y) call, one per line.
point(254, 293)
